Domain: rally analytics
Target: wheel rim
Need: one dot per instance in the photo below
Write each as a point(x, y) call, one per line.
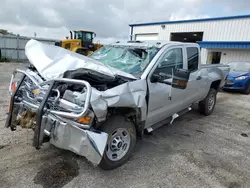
point(118, 145)
point(211, 102)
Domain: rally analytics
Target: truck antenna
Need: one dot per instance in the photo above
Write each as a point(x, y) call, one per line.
point(170, 91)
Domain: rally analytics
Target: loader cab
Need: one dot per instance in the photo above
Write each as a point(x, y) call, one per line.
point(86, 38)
point(80, 41)
point(84, 35)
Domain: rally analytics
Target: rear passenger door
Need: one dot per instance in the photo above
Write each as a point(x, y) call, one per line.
point(195, 79)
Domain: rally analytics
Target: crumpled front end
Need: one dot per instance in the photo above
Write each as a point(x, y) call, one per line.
point(66, 135)
point(66, 97)
point(57, 114)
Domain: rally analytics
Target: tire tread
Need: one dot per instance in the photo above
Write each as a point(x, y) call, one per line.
point(203, 105)
point(109, 126)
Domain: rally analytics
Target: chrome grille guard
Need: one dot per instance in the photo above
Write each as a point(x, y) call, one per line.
point(40, 109)
point(53, 82)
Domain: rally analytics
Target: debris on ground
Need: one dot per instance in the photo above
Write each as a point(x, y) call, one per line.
point(244, 135)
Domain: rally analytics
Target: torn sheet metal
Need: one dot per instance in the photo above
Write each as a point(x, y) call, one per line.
point(82, 142)
point(52, 61)
point(129, 94)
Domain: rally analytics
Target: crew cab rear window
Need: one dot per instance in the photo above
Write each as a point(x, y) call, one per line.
point(193, 58)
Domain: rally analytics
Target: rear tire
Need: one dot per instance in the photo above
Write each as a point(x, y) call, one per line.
point(121, 142)
point(206, 106)
point(247, 89)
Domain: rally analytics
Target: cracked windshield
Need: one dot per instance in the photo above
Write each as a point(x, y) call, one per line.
point(130, 60)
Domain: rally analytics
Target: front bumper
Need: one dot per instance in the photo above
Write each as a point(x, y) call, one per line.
point(66, 135)
point(232, 84)
point(232, 87)
point(60, 126)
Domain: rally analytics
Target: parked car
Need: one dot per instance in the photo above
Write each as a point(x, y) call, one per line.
point(239, 77)
point(97, 106)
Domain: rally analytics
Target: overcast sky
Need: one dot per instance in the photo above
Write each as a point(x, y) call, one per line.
point(108, 18)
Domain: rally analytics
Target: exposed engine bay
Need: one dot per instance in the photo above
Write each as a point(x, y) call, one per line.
point(62, 94)
point(97, 80)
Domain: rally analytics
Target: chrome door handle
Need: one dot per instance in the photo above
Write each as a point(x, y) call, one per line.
point(199, 78)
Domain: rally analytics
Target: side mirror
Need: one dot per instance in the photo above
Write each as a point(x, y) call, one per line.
point(155, 78)
point(180, 78)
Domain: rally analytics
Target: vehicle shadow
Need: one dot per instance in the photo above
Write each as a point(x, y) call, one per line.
point(234, 92)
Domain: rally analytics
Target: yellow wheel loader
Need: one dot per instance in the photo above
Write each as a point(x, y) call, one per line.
point(81, 42)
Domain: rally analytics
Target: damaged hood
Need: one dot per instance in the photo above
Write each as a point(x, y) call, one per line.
point(52, 61)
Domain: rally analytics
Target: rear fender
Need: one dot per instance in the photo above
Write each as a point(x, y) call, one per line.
point(217, 77)
point(216, 85)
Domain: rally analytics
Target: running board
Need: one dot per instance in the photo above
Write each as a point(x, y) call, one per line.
point(169, 120)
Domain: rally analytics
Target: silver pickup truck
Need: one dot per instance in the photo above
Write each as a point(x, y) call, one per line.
point(98, 106)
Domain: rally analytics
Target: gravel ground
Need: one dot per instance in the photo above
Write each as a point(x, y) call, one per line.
point(195, 151)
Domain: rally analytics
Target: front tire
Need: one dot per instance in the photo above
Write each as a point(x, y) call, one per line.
point(206, 106)
point(121, 142)
point(247, 89)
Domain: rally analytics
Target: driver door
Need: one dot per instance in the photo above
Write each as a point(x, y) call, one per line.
point(160, 105)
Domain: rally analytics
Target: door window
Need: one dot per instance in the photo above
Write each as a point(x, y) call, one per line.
point(193, 58)
point(172, 60)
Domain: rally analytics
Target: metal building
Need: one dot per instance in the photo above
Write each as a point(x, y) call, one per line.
point(222, 40)
point(13, 47)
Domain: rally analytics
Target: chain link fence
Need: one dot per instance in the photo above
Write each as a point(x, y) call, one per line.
point(12, 48)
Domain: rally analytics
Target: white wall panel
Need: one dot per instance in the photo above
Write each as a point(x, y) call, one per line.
point(203, 56)
point(149, 36)
point(219, 30)
point(228, 56)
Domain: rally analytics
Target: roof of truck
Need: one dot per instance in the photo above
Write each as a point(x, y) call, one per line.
point(146, 44)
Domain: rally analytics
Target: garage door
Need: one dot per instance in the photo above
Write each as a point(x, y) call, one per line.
point(147, 36)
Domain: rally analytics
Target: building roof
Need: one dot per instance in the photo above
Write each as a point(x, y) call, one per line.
point(193, 20)
point(225, 44)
